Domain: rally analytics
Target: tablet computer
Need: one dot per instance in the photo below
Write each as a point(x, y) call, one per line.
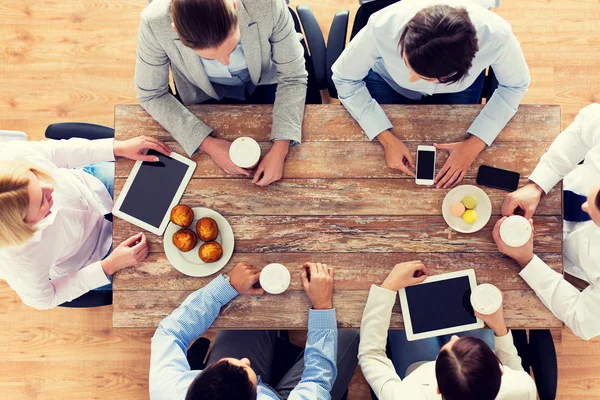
point(152, 190)
point(440, 305)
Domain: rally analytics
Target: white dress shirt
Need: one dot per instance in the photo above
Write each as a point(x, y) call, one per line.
point(376, 47)
point(581, 240)
point(62, 261)
point(422, 384)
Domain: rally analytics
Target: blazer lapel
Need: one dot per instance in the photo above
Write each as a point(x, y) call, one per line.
point(195, 68)
point(250, 43)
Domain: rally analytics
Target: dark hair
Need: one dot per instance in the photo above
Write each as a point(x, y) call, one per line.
point(222, 381)
point(597, 202)
point(440, 42)
point(203, 24)
point(468, 371)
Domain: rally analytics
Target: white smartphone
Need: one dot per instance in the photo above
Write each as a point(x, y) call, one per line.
point(425, 165)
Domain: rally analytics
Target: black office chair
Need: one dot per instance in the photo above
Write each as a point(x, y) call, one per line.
point(538, 355)
point(363, 14)
point(312, 61)
point(68, 130)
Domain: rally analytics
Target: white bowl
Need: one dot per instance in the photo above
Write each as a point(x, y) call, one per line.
point(483, 208)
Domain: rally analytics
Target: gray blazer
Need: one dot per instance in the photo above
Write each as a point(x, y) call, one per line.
point(273, 54)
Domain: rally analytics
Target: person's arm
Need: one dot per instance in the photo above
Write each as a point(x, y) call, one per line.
point(349, 72)
point(152, 86)
point(374, 363)
point(505, 349)
point(578, 310)
point(70, 153)
point(320, 369)
point(513, 81)
point(176, 332)
point(569, 148)
point(288, 56)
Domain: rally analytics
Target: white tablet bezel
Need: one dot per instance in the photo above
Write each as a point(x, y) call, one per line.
point(163, 225)
point(470, 273)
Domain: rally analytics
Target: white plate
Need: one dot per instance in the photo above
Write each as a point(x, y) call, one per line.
point(483, 208)
point(189, 263)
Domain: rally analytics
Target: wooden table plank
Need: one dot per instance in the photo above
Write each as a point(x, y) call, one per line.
point(145, 309)
point(331, 122)
point(325, 197)
point(354, 234)
point(366, 160)
point(353, 271)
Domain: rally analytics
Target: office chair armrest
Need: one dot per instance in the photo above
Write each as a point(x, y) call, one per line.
point(336, 43)
point(315, 43)
point(68, 130)
point(544, 364)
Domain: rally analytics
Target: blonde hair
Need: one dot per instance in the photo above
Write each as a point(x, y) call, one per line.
point(14, 201)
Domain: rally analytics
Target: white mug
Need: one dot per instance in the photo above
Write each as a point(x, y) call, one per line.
point(515, 231)
point(245, 152)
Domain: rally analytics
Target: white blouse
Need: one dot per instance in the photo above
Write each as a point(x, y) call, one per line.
point(62, 261)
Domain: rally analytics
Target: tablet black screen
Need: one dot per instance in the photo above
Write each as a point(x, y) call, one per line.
point(440, 305)
point(153, 189)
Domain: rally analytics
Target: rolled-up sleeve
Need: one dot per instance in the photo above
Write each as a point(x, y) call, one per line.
point(349, 72)
point(513, 77)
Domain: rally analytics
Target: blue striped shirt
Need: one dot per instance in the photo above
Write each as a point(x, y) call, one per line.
point(170, 374)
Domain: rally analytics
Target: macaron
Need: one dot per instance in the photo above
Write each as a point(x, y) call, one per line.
point(470, 216)
point(457, 209)
point(470, 202)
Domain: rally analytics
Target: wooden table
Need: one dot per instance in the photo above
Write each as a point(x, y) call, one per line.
point(338, 203)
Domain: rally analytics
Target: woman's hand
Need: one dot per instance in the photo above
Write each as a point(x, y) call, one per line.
point(270, 168)
point(397, 155)
point(462, 155)
point(405, 274)
point(134, 148)
point(495, 321)
point(218, 150)
point(128, 254)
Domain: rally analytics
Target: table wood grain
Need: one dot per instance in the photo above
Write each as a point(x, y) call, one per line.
point(338, 203)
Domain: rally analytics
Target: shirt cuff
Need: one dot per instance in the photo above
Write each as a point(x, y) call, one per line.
point(534, 271)
point(375, 124)
point(221, 290)
point(94, 276)
point(502, 342)
point(322, 319)
point(545, 177)
point(102, 150)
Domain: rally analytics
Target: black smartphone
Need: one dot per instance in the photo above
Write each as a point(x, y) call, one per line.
point(498, 178)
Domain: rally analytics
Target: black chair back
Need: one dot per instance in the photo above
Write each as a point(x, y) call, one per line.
point(365, 11)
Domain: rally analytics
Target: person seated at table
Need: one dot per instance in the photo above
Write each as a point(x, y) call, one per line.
point(54, 237)
point(222, 52)
point(432, 52)
point(581, 225)
point(463, 367)
point(239, 365)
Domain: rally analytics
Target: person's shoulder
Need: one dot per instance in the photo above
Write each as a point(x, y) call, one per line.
point(157, 10)
point(259, 10)
point(490, 26)
point(591, 110)
point(516, 384)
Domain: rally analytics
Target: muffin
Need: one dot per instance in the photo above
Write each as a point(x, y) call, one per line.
point(207, 229)
point(185, 239)
point(210, 252)
point(182, 215)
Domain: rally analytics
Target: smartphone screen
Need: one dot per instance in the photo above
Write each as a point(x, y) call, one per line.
point(425, 164)
point(498, 178)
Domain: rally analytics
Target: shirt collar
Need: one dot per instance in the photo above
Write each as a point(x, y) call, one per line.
point(43, 224)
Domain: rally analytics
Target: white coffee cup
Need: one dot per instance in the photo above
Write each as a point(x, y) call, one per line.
point(515, 231)
point(275, 278)
point(486, 299)
point(245, 152)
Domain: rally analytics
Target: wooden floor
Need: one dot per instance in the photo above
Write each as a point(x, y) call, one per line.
point(72, 60)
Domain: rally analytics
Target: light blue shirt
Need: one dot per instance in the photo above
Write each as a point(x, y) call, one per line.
point(376, 47)
point(235, 76)
point(170, 374)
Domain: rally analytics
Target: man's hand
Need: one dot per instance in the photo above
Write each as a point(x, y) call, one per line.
point(527, 199)
point(317, 282)
point(523, 255)
point(218, 150)
point(270, 168)
point(462, 155)
point(405, 274)
point(495, 321)
point(128, 254)
point(134, 148)
point(243, 277)
point(397, 155)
